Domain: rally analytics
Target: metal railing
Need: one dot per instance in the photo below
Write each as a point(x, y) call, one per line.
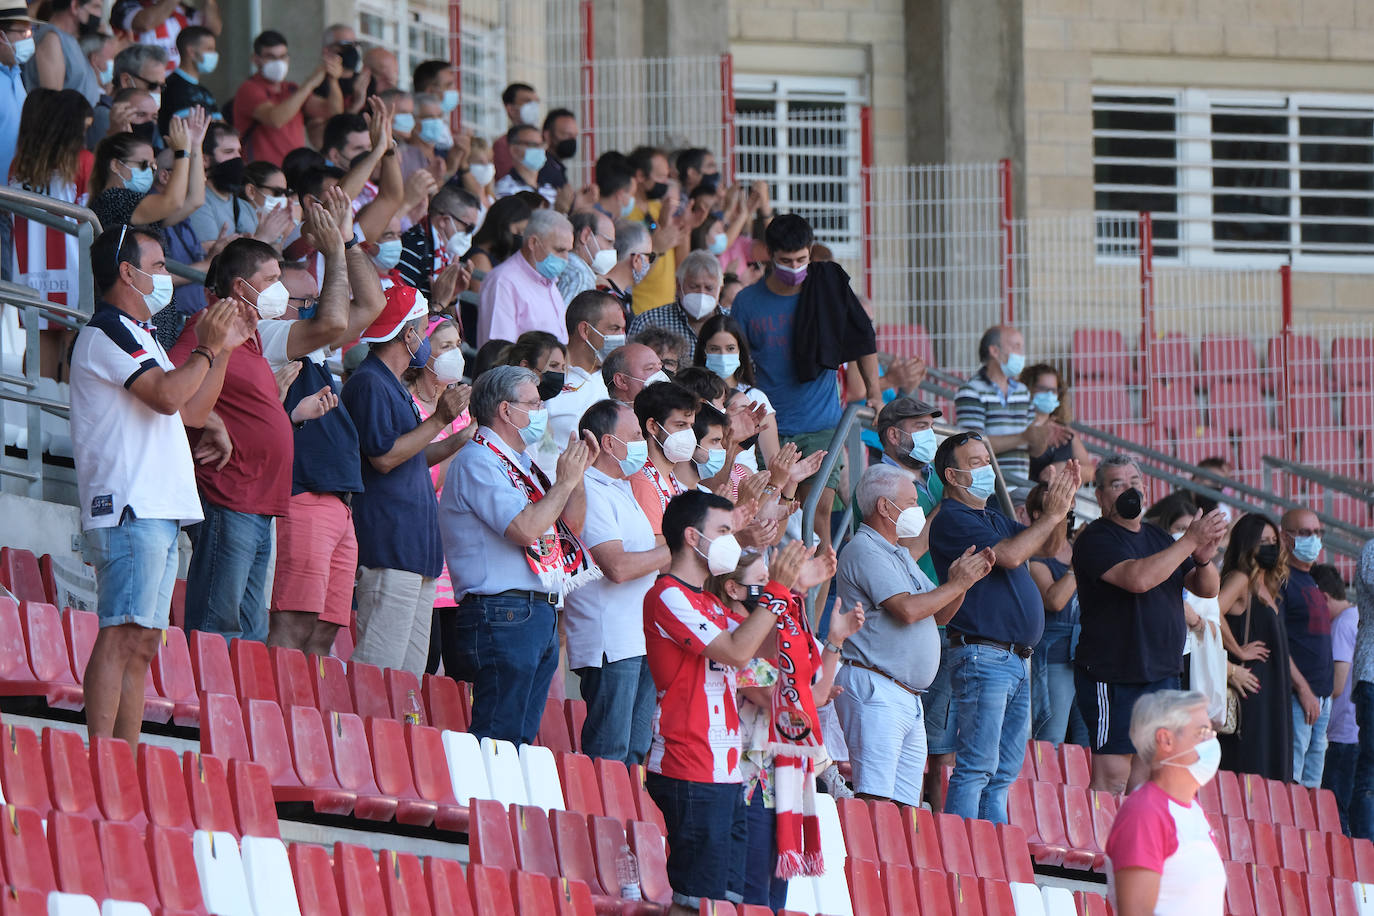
point(1360, 489)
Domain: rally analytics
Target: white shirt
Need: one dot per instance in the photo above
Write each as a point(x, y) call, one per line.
point(275, 334)
point(605, 617)
point(1155, 832)
point(127, 454)
point(581, 389)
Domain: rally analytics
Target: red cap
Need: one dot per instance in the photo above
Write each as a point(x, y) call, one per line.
point(403, 304)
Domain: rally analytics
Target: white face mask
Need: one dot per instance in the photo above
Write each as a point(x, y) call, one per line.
point(529, 113)
point(161, 296)
point(274, 71)
point(157, 99)
point(680, 446)
point(482, 173)
point(659, 376)
point(911, 522)
point(448, 366)
point(458, 244)
point(272, 203)
point(698, 305)
point(272, 301)
point(722, 556)
point(1205, 766)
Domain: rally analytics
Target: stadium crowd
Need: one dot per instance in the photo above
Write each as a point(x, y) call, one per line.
point(506, 426)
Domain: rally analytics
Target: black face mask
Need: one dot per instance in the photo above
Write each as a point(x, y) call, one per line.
point(710, 182)
point(565, 149)
point(1267, 556)
point(753, 594)
point(1129, 503)
point(749, 443)
point(90, 27)
point(350, 58)
point(658, 191)
point(227, 175)
point(144, 131)
point(550, 384)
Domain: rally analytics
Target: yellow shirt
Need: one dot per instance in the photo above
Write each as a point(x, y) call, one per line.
point(660, 286)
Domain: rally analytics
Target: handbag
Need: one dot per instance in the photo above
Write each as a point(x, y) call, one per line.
point(1230, 725)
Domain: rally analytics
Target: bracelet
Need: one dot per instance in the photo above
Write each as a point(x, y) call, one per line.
point(181, 154)
point(350, 243)
point(205, 352)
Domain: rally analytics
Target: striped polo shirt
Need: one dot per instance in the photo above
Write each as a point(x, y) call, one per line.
point(982, 406)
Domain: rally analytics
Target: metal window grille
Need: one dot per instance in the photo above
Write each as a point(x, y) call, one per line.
point(1252, 179)
point(803, 136)
point(413, 34)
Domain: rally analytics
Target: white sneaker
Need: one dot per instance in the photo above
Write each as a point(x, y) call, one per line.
point(833, 783)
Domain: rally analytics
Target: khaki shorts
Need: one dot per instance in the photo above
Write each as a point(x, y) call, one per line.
point(807, 443)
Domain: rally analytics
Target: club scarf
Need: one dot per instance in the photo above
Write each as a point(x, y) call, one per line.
point(795, 738)
point(557, 557)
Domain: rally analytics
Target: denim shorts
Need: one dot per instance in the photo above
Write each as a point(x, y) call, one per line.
point(135, 569)
point(707, 835)
point(941, 713)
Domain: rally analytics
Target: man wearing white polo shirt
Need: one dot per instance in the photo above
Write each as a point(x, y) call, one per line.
point(605, 619)
point(135, 479)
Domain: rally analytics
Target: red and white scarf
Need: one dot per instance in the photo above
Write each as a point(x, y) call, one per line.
point(795, 739)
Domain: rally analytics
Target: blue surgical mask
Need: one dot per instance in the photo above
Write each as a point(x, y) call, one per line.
point(534, 158)
point(984, 481)
point(420, 358)
point(388, 254)
point(435, 131)
point(1307, 549)
point(723, 364)
point(719, 242)
point(1014, 364)
point(628, 208)
point(403, 122)
point(209, 61)
point(636, 456)
point(922, 446)
point(539, 421)
point(1045, 401)
point(107, 73)
point(714, 462)
point(551, 266)
point(450, 100)
point(140, 181)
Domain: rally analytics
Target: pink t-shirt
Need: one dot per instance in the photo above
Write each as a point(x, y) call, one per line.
point(1154, 831)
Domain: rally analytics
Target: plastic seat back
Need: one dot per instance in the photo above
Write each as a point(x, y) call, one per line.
point(933, 892)
point(444, 704)
point(923, 840)
point(222, 732)
point(1293, 896)
point(313, 876)
point(1266, 845)
point(954, 844)
point(69, 773)
point(173, 676)
point(541, 777)
point(1314, 844)
point(533, 895)
point(80, 629)
point(72, 842)
point(14, 661)
point(888, 833)
point(1280, 802)
point(207, 789)
point(576, 713)
point(1264, 884)
point(210, 663)
point(447, 887)
point(24, 850)
point(1073, 758)
point(553, 728)
point(1015, 854)
point(1240, 899)
point(164, 790)
point(1328, 813)
point(1340, 854)
point(1232, 802)
point(617, 794)
point(648, 808)
point(899, 888)
point(504, 775)
point(330, 683)
point(353, 766)
point(986, 850)
point(368, 688)
point(20, 574)
point(580, 788)
point(267, 736)
point(996, 896)
point(359, 881)
point(429, 770)
point(127, 873)
point(489, 837)
point(647, 842)
point(533, 841)
point(291, 675)
point(267, 872)
point(490, 891)
point(1256, 793)
point(1239, 841)
point(116, 781)
point(1304, 813)
point(865, 888)
point(252, 668)
point(572, 841)
point(857, 826)
point(1047, 767)
point(251, 791)
point(399, 684)
point(572, 898)
point(403, 884)
point(467, 771)
point(171, 854)
point(392, 769)
point(608, 835)
point(22, 772)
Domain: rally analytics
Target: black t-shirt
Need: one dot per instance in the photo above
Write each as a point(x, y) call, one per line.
point(1127, 638)
point(1308, 622)
point(180, 95)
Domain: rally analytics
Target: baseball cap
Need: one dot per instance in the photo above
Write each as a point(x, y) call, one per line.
point(403, 304)
point(904, 408)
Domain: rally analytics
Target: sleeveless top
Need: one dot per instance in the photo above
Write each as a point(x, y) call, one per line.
point(78, 74)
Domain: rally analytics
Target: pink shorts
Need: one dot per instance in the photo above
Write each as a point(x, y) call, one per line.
point(317, 558)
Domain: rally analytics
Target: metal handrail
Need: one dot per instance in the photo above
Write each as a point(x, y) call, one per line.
point(1360, 489)
point(185, 271)
point(66, 218)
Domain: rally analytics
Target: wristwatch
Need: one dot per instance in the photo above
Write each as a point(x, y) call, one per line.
point(831, 647)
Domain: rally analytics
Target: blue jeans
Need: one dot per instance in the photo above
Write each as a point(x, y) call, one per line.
point(1056, 715)
point(226, 583)
point(992, 693)
point(1362, 798)
point(1309, 744)
point(511, 647)
point(1339, 777)
point(620, 699)
point(135, 570)
point(706, 830)
point(761, 885)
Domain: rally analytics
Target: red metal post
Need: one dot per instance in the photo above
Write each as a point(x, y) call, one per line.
point(588, 143)
point(866, 177)
point(455, 56)
point(1008, 242)
point(1286, 391)
point(1145, 238)
point(727, 114)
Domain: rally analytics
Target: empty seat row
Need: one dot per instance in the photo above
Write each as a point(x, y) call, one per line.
point(104, 781)
point(1259, 890)
point(1065, 825)
point(879, 889)
point(1327, 855)
point(27, 577)
point(1270, 801)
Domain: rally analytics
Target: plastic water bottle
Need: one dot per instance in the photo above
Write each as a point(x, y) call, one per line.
point(413, 714)
point(627, 873)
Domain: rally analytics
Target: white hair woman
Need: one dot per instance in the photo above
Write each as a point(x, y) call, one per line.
point(1161, 857)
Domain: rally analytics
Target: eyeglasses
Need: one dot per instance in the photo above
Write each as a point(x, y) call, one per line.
point(1305, 532)
point(651, 255)
point(303, 303)
point(271, 191)
point(22, 31)
point(670, 365)
point(152, 86)
point(463, 224)
point(140, 163)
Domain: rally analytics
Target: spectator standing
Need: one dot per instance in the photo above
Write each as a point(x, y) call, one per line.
point(560, 144)
point(905, 428)
point(996, 403)
point(135, 479)
point(1052, 691)
point(1252, 578)
point(894, 657)
point(591, 316)
point(16, 47)
point(634, 257)
point(317, 549)
point(135, 67)
point(991, 636)
point(511, 540)
point(199, 57)
point(593, 253)
point(1307, 621)
point(1131, 575)
point(1343, 735)
point(1161, 857)
point(1362, 673)
point(615, 185)
point(226, 583)
point(385, 69)
point(519, 294)
point(438, 78)
point(396, 516)
point(528, 157)
point(125, 168)
point(666, 412)
point(604, 619)
point(656, 208)
point(439, 240)
point(345, 93)
point(629, 370)
point(521, 102)
point(698, 290)
point(57, 62)
point(224, 211)
point(694, 647)
point(1048, 396)
point(722, 347)
point(267, 108)
point(160, 22)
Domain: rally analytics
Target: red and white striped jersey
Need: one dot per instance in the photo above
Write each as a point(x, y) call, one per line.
point(165, 35)
point(46, 259)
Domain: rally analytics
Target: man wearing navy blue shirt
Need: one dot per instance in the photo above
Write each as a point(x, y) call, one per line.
point(1131, 577)
point(1002, 617)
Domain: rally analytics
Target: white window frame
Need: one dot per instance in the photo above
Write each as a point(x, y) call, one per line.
point(402, 24)
point(484, 76)
point(781, 89)
point(1195, 109)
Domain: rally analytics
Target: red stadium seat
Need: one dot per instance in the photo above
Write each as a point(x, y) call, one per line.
point(174, 871)
point(1333, 449)
point(717, 908)
point(448, 889)
point(1103, 815)
point(1350, 361)
point(22, 771)
point(1088, 903)
point(954, 844)
point(343, 644)
point(20, 574)
point(532, 839)
point(576, 711)
point(617, 794)
point(48, 659)
point(115, 776)
point(1232, 802)
point(1240, 898)
point(353, 767)
point(905, 341)
point(489, 836)
point(314, 878)
point(1357, 410)
point(207, 788)
point(1310, 408)
point(889, 833)
point(1015, 855)
point(1046, 760)
point(1341, 855)
point(1171, 356)
point(399, 684)
point(553, 728)
point(16, 677)
point(964, 895)
point(1079, 830)
point(1221, 356)
point(986, 849)
point(1364, 860)
point(306, 773)
point(857, 826)
point(607, 835)
point(1073, 758)
point(1266, 845)
point(1218, 825)
point(403, 883)
point(1105, 408)
point(533, 894)
point(996, 896)
point(1305, 358)
point(899, 889)
point(69, 773)
point(1239, 841)
point(1264, 884)
point(648, 809)
point(571, 839)
point(291, 674)
point(1099, 354)
point(646, 840)
point(1314, 845)
point(865, 889)
point(572, 898)
point(210, 663)
point(1209, 797)
point(1046, 840)
point(1293, 894)
point(1256, 792)
point(75, 852)
point(79, 630)
point(392, 767)
point(368, 688)
point(429, 767)
point(251, 790)
point(490, 891)
point(923, 840)
point(330, 684)
point(127, 873)
point(252, 668)
point(444, 704)
point(1343, 897)
point(174, 678)
point(360, 883)
point(580, 788)
point(1292, 851)
point(24, 850)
